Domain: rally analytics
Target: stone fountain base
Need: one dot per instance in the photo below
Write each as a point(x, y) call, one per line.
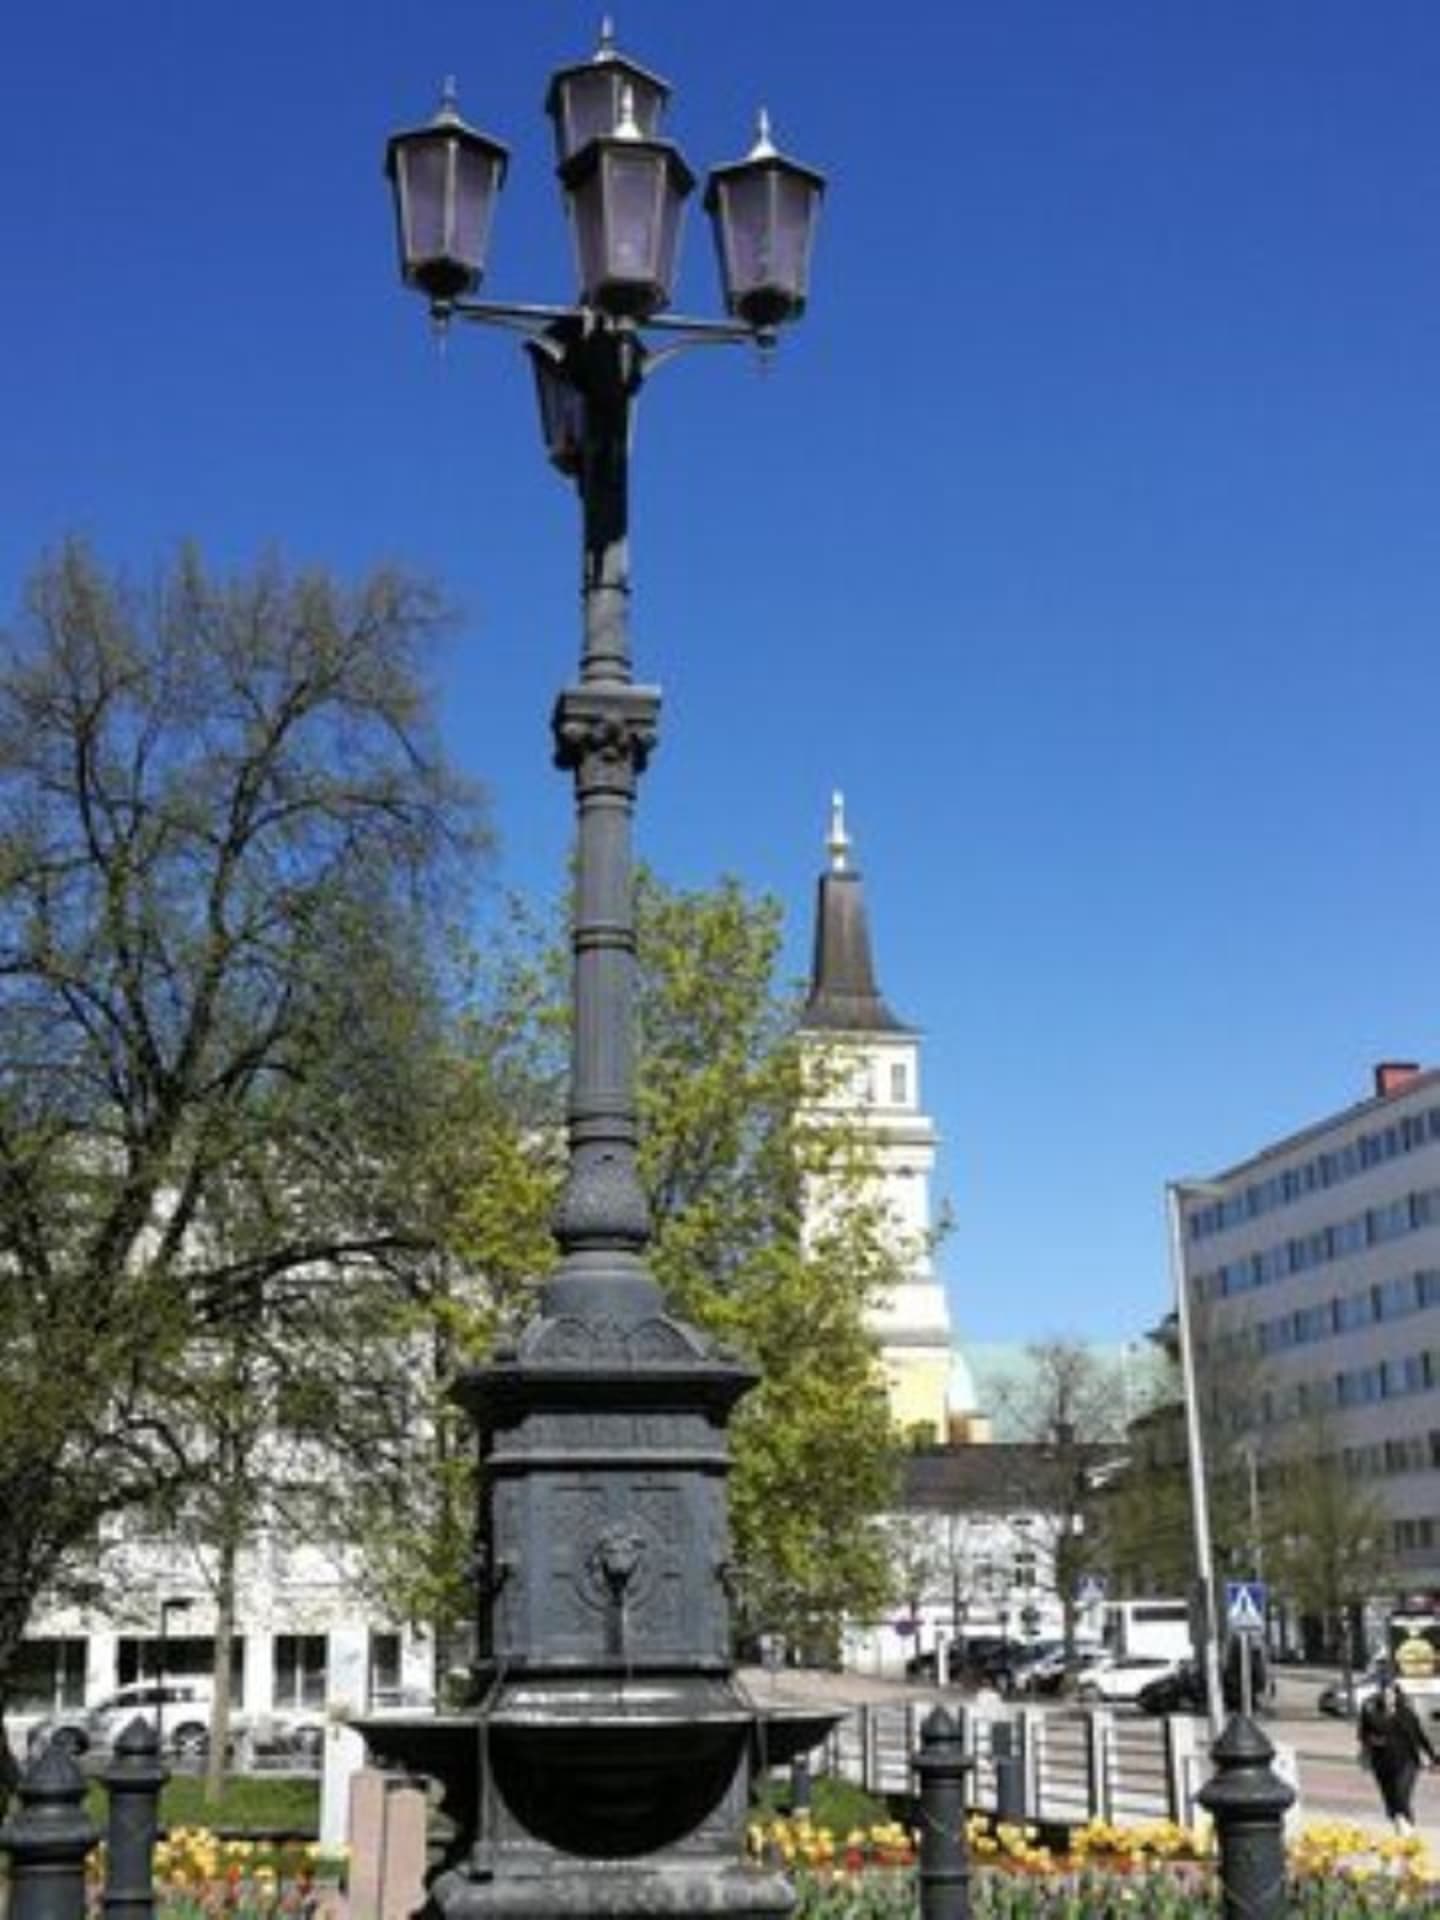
point(579, 1795)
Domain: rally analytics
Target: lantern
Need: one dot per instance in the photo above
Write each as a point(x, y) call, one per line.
point(445, 178)
point(626, 195)
point(561, 403)
point(585, 101)
point(764, 209)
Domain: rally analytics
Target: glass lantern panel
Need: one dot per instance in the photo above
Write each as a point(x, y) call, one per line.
point(425, 183)
point(476, 182)
point(672, 212)
point(634, 194)
point(744, 208)
point(587, 220)
point(794, 231)
point(590, 105)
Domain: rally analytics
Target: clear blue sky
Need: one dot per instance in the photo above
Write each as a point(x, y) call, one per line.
point(1087, 533)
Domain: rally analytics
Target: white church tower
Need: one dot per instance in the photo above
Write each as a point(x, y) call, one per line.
point(879, 1058)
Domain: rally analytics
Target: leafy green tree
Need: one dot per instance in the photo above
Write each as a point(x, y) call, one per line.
point(730, 1147)
point(1329, 1546)
point(226, 832)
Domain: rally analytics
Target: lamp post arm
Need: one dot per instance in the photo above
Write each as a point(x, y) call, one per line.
point(533, 318)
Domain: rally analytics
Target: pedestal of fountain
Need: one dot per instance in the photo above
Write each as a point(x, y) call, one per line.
point(606, 1767)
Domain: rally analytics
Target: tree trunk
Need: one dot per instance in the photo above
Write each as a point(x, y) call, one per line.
point(220, 1672)
point(15, 1604)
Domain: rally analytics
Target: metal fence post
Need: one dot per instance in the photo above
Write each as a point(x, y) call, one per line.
point(944, 1852)
point(869, 1749)
point(1099, 1754)
point(1179, 1764)
point(1248, 1800)
point(1033, 1728)
point(800, 1783)
point(48, 1839)
point(1007, 1750)
point(134, 1779)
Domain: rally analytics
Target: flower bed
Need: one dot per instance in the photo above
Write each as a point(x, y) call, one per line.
point(1157, 1871)
point(199, 1876)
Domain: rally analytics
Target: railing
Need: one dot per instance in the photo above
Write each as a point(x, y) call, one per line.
point(1077, 1766)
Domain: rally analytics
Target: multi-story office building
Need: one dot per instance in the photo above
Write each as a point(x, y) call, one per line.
point(1319, 1260)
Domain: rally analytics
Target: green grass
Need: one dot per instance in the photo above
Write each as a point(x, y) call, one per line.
point(838, 1805)
point(250, 1803)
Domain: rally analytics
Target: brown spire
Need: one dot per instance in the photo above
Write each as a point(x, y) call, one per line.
point(843, 996)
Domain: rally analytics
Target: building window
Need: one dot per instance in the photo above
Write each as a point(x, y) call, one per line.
point(385, 1670)
point(300, 1669)
point(187, 1657)
point(48, 1675)
point(899, 1084)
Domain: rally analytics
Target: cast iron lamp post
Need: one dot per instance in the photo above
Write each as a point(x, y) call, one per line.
point(606, 1762)
point(625, 187)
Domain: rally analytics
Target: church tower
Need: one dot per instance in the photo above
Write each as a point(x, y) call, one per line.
point(879, 1061)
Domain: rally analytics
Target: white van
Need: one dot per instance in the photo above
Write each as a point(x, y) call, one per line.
point(1148, 1629)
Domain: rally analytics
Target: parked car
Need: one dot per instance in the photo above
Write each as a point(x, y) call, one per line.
point(185, 1705)
point(1031, 1668)
point(1111, 1681)
point(1182, 1690)
point(1334, 1701)
point(1045, 1672)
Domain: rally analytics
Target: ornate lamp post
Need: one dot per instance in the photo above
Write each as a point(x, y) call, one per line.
point(607, 1760)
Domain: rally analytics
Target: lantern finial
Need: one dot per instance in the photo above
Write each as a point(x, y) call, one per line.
point(606, 48)
point(449, 100)
point(627, 127)
point(764, 147)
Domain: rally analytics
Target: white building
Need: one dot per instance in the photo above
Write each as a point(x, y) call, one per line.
point(974, 1556)
point(306, 1639)
point(1320, 1254)
point(878, 1057)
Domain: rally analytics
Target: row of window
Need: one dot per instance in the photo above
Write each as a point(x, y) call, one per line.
point(1410, 1534)
point(1328, 1169)
point(1373, 1228)
point(50, 1673)
point(1409, 1453)
point(1391, 1299)
point(1355, 1387)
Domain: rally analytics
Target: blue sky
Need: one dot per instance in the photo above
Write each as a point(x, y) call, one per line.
point(1087, 533)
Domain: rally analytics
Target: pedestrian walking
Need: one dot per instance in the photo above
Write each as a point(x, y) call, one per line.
point(1393, 1744)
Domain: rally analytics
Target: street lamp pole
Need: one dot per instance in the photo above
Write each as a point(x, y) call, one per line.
point(176, 1604)
point(625, 187)
point(1176, 1193)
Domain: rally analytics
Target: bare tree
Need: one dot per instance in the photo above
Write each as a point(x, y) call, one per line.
point(226, 833)
point(1067, 1409)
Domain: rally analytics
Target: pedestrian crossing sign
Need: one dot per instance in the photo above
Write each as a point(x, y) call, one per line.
point(1245, 1605)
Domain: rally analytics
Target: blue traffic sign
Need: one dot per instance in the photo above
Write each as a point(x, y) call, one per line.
point(1245, 1605)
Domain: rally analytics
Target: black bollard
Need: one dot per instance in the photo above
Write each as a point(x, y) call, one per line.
point(134, 1779)
point(944, 1854)
point(48, 1839)
point(1007, 1748)
point(1248, 1801)
point(800, 1784)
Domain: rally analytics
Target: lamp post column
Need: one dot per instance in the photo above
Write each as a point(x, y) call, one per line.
point(1175, 1194)
point(605, 729)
